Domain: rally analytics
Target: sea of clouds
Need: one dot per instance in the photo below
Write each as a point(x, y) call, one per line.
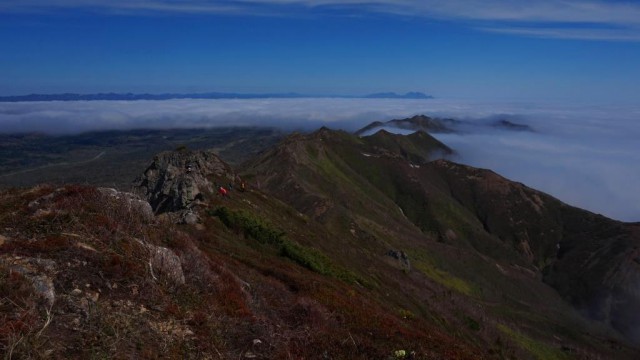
point(587, 155)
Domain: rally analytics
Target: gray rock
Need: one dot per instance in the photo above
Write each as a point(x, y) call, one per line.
point(38, 271)
point(164, 262)
point(37, 203)
point(189, 217)
point(402, 257)
point(178, 180)
point(133, 201)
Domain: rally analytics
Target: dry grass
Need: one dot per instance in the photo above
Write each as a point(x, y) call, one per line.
point(241, 296)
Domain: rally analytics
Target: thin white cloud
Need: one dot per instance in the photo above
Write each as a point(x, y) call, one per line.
point(125, 6)
point(584, 20)
point(567, 11)
point(571, 33)
point(594, 11)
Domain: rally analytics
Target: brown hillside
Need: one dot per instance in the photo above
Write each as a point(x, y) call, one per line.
point(338, 247)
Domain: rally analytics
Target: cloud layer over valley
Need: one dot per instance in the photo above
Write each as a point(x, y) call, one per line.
point(585, 155)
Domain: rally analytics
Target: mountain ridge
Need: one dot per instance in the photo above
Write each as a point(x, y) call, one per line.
point(527, 224)
point(336, 246)
point(441, 125)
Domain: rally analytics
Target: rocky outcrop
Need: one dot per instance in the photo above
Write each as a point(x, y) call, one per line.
point(132, 202)
point(177, 180)
point(164, 262)
point(401, 257)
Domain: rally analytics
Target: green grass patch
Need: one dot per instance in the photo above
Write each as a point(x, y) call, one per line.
point(444, 278)
point(314, 260)
point(251, 226)
point(265, 233)
point(423, 263)
point(537, 349)
point(330, 168)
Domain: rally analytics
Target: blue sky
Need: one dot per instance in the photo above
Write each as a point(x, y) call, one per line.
point(492, 49)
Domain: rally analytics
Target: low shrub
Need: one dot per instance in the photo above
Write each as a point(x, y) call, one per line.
point(309, 258)
point(253, 227)
point(265, 233)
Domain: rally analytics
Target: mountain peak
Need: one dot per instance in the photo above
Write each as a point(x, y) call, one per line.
point(416, 122)
point(324, 131)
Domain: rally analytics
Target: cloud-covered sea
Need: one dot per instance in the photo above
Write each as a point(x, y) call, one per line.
point(587, 155)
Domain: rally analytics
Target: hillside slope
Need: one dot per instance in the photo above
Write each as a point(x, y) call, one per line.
point(508, 244)
point(339, 247)
point(592, 261)
point(85, 273)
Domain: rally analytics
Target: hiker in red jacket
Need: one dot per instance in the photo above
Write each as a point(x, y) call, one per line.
point(222, 191)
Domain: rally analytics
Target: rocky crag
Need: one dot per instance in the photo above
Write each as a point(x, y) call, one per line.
point(178, 181)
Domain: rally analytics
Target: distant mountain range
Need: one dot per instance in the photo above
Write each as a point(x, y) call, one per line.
point(208, 95)
point(392, 95)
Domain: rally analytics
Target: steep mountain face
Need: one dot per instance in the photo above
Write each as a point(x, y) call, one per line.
point(598, 270)
point(589, 259)
point(551, 247)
